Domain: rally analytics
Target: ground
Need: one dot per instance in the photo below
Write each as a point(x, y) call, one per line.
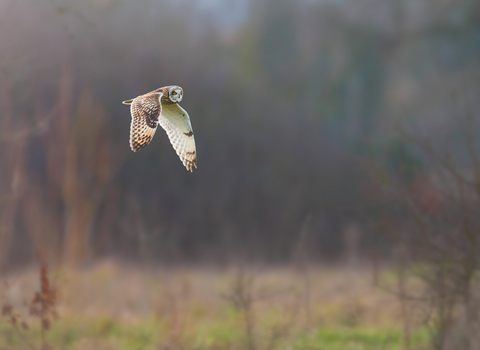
point(116, 306)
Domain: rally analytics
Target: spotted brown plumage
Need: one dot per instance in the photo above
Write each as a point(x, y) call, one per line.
point(145, 111)
point(161, 107)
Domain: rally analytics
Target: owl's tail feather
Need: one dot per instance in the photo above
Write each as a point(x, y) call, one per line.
point(127, 102)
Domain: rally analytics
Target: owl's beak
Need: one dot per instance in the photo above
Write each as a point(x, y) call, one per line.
point(127, 102)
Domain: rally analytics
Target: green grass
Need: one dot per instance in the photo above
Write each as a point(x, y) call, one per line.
point(79, 333)
point(117, 308)
point(107, 333)
point(360, 339)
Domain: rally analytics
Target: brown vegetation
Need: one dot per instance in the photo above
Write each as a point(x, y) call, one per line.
point(288, 100)
point(41, 307)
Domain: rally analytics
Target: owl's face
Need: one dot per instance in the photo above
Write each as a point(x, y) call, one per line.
point(175, 94)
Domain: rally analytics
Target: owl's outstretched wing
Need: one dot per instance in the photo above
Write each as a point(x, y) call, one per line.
point(176, 122)
point(145, 111)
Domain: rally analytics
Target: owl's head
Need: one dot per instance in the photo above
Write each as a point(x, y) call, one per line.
point(175, 94)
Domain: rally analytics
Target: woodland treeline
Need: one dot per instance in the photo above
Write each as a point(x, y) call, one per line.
point(322, 127)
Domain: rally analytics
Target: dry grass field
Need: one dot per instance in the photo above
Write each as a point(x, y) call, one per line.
point(117, 306)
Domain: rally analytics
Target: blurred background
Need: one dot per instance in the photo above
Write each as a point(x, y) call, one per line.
point(286, 98)
point(327, 131)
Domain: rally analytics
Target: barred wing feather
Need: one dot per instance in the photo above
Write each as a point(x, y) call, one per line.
point(176, 122)
point(145, 112)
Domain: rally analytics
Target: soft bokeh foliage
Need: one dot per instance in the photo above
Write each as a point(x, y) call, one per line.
point(286, 98)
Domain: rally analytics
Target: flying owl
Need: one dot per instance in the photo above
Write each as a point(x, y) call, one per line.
point(161, 107)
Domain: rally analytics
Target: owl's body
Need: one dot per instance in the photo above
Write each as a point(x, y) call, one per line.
point(161, 107)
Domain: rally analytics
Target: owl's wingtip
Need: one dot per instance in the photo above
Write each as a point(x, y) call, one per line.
point(190, 165)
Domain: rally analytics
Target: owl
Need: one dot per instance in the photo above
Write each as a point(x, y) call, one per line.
point(161, 107)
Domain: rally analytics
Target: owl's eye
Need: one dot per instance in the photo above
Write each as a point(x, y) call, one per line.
point(174, 93)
